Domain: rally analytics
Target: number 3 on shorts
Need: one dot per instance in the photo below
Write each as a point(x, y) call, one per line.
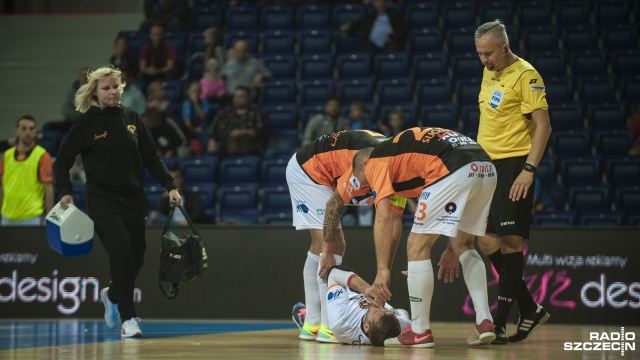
point(421, 211)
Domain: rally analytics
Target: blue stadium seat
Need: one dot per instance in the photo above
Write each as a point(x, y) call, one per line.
point(277, 42)
point(207, 192)
point(629, 88)
point(467, 91)
point(199, 169)
point(250, 37)
point(394, 91)
point(588, 63)
point(603, 117)
point(496, 10)
point(465, 66)
point(314, 42)
point(565, 117)
point(315, 91)
point(347, 44)
point(549, 63)
point(425, 40)
point(589, 199)
point(532, 14)
point(205, 17)
point(429, 65)
point(276, 199)
point(196, 43)
point(278, 92)
point(606, 219)
point(316, 16)
point(195, 69)
point(316, 66)
point(623, 172)
point(154, 195)
point(239, 170)
point(308, 111)
point(626, 63)
point(442, 116)
point(355, 89)
point(240, 196)
point(282, 142)
point(596, 90)
point(239, 216)
point(581, 172)
point(344, 13)
point(353, 65)
point(390, 65)
point(421, 15)
point(458, 14)
point(135, 40)
point(571, 144)
point(277, 218)
point(50, 141)
point(620, 37)
point(433, 91)
point(173, 92)
point(572, 13)
point(559, 89)
point(460, 41)
point(540, 39)
point(470, 115)
point(611, 12)
point(177, 40)
point(579, 38)
point(276, 17)
point(281, 66)
point(547, 170)
point(408, 112)
point(628, 200)
point(274, 172)
point(241, 18)
point(280, 117)
point(558, 218)
point(557, 193)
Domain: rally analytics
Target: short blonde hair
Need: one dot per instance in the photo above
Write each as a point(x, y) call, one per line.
point(86, 94)
point(497, 30)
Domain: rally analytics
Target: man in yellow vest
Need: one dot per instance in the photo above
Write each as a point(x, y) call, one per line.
point(26, 173)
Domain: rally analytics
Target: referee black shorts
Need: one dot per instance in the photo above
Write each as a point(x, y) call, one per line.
point(508, 217)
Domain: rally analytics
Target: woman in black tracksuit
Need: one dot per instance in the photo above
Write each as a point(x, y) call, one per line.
point(115, 145)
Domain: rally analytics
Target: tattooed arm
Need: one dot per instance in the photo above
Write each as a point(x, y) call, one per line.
point(331, 234)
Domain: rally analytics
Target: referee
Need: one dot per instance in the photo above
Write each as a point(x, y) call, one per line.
point(514, 130)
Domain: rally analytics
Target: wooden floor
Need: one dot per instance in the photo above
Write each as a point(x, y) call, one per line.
point(450, 343)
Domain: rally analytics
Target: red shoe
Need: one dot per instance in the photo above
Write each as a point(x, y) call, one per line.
point(483, 334)
point(410, 339)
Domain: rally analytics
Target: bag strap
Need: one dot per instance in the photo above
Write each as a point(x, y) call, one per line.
point(172, 208)
point(173, 291)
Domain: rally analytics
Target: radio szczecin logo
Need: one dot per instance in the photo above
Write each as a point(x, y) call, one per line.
point(605, 341)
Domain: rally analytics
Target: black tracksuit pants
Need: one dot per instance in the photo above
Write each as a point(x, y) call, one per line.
point(120, 224)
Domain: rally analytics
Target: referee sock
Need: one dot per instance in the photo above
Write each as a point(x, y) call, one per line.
point(509, 287)
point(420, 284)
point(475, 276)
point(496, 260)
point(311, 294)
point(322, 287)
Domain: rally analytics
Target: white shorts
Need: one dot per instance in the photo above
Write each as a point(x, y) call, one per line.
point(461, 201)
point(308, 199)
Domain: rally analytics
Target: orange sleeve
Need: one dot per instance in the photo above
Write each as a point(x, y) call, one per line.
point(45, 169)
point(378, 175)
point(397, 209)
point(344, 185)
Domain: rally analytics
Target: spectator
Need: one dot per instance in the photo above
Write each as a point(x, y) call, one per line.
point(170, 13)
point(69, 108)
point(213, 85)
point(123, 58)
point(634, 126)
point(191, 201)
point(158, 57)
point(8, 143)
point(156, 98)
point(195, 111)
point(384, 28)
point(396, 124)
point(132, 96)
point(542, 201)
point(26, 176)
point(329, 122)
point(214, 49)
point(359, 118)
point(240, 129)
point(166, 134)
point(244, 70)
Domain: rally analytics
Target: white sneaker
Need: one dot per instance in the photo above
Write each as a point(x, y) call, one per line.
point(111, 314)
point(131, 328)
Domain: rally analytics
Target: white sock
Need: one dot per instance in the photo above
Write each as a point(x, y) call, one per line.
point(311, 295)
point(322, 288)
point(475, 276)
point(420, 284)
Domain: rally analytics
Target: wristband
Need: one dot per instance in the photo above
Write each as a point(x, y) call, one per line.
point(529, 168)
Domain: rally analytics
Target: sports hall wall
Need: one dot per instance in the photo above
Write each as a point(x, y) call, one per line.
point(589, 276)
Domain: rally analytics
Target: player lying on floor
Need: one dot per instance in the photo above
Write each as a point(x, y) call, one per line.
point(356, 316)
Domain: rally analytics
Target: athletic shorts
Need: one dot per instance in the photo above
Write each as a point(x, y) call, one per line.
point(308, 199)
point(460, 201)
point(508, 217)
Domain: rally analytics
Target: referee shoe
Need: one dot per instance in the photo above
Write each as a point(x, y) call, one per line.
point(111, 314)
point(527, 324)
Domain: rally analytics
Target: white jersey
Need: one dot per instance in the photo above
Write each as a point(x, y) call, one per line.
point(346, 309)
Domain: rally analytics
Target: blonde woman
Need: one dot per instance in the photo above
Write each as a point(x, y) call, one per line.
point(114, 144)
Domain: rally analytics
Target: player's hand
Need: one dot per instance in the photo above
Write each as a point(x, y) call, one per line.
point(382, 285)
point(66, 200)
point(449, 266)
point(326, 262)
point(521, 186)
point(374, 296)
